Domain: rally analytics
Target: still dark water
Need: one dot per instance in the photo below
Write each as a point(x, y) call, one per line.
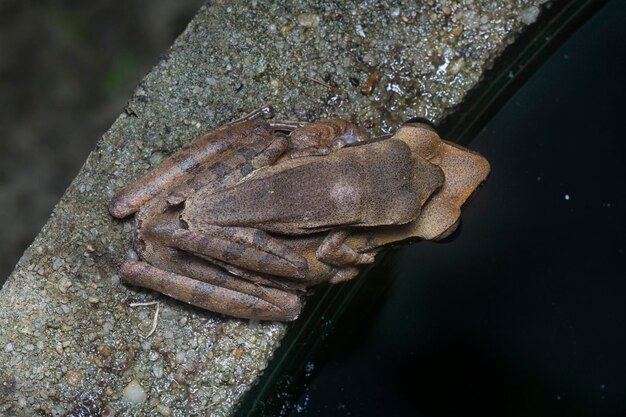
point(524, 312)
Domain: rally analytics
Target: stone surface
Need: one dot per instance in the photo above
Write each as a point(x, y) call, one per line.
point(70, 341)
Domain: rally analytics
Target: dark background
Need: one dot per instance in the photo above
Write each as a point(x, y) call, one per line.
point(67, 69)
point(523, 312)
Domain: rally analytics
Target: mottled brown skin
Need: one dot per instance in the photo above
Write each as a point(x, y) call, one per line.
point(320, 138)
point(251, 215)
point(211, 147)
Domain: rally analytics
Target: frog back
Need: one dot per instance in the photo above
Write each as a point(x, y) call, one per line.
point(374, 184)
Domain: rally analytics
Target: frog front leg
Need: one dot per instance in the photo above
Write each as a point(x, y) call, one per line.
point(251, 302)
point(334, 251)
point(319, 138)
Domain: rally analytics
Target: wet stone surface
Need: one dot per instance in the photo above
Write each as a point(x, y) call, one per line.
point(70, 341)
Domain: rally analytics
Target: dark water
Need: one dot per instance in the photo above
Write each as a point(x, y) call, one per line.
point(524, 312)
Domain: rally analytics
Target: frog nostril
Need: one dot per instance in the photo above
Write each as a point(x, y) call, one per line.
point(420, 120)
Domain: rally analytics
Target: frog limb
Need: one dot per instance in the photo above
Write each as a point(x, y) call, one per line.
point(313, 151)
point(287, 125)
point(320, 138)
point(334, 251)
point(249, 129)
point(344, 274)
point(328, 133)
point(226, 173)
point(243, 247)
point(261, 303)
point(216, 272)
point(266, 111)
point(259, 278)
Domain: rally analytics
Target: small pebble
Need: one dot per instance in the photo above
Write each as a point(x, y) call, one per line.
point(133, 393)
point(157, 371)
point(156, 158)
point(457, 66)
point(74, 377)
point(57, 263)
point(64, 284)
point(309, 20)
point(359, 30)
point(529, 15)
point(164, 410)
point(107, 327)
point(104, 350)
point(108, 411)
point(239, 352)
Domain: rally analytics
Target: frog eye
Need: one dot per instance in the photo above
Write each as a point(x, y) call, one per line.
point(420, 120)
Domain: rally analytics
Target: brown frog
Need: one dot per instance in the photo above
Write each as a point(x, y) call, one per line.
point(248, 217)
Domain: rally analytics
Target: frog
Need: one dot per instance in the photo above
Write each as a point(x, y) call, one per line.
point(247, 219)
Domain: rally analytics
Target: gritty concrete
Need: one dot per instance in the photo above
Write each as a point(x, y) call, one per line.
point(70, 341)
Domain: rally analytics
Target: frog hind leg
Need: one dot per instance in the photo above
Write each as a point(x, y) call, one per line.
point(260, 278)
point(212, 146)
point(230, 170)
point(257, 303)
point(243, 247)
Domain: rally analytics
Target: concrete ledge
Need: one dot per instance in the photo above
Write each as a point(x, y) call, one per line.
point(70, 343)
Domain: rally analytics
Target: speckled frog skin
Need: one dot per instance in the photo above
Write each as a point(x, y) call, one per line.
point(248, 217)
